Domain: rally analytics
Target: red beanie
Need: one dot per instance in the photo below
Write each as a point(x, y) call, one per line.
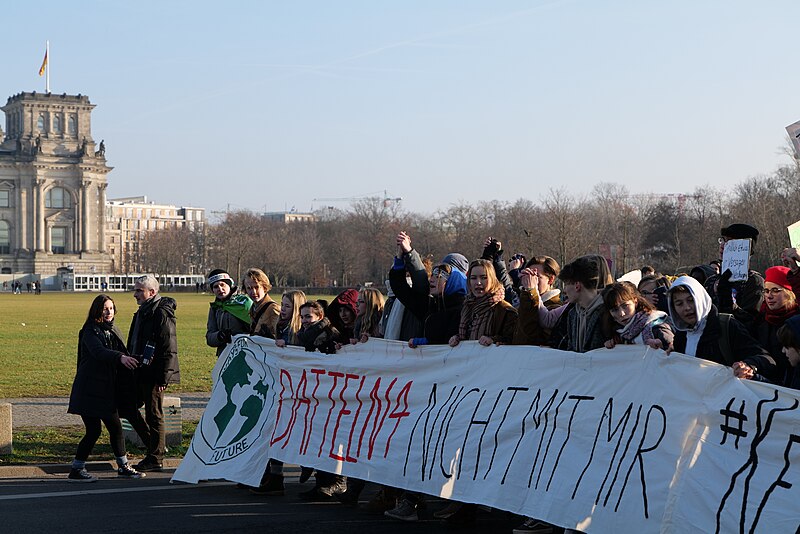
point(777, 275)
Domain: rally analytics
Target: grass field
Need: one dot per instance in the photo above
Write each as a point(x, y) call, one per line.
point(39, 335)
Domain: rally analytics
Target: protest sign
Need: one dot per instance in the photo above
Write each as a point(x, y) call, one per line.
point(736, 257)
point(794, 135)
point(622, 440)
point(794, 234)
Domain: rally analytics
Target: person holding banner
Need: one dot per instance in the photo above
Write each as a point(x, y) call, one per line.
point(638, 321)
point(289, 321)
point(229, 314)
point(780, 303)
point(485, 316)
point(488, 318)
point(703, 332)
point(368, 318)
point(583, 323)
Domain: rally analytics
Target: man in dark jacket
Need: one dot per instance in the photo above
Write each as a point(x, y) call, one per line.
point(152, 335)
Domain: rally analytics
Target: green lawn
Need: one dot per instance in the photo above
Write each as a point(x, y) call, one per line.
point(56, 445)
point(39, 333)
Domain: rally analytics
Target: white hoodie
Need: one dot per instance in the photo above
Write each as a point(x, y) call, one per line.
point(702, 303)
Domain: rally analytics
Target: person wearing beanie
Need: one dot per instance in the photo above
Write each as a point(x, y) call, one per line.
point(746, 304)
point(229, 314)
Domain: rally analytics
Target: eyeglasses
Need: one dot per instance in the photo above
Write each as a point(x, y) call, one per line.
point(773, 291)
point(647, 293)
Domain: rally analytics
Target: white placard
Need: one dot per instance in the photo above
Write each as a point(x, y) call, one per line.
point(736, 257)
point(622, 440)
point(794, 135)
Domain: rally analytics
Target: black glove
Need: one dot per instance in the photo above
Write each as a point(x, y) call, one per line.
point(724, 295)
point(492, 251)
point(224, 336)
point(328, 347)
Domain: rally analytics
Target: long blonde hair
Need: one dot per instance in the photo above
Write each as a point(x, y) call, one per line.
point(491, 276)
point(298, 298)
point(373, 302)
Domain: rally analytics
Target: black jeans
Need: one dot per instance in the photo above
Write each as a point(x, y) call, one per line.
point(93, 430)
point(150, 428)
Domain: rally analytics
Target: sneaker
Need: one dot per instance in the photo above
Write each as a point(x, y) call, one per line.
point(381, 502)
point(405, 511)
point(126, 471)
point(531, 525)
point(80, 475)
point(464, 516)
point(324, 493)
point(272, 487)
point(305, 474)
point(448, 510)
point(149, 464)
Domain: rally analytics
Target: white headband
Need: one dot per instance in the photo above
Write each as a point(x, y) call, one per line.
point(217, 277)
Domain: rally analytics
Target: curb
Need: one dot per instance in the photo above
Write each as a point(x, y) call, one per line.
point(49, 470)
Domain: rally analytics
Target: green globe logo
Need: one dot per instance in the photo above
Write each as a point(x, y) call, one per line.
point(231, 424)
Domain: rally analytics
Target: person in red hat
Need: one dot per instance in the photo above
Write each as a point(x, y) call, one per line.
point(780, 304)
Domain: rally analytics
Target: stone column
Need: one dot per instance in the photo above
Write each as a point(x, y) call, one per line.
point(39, 214)
point(20, 209)
point(77, 224)
point(48, 244)
point(102, 217)
point(86, 245)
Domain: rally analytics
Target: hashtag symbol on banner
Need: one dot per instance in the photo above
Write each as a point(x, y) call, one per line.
point(726, 427)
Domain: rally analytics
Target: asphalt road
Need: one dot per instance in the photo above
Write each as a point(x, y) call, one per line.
point(152, 504)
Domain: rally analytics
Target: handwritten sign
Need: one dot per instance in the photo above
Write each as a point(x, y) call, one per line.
point(736, 257)
point(794, 135)
point(676, 444)
point(794, 234)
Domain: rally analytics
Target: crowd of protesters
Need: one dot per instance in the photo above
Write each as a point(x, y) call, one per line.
point(751, 326)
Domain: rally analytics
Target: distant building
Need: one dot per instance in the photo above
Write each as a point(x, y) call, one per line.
point(128, 220)
point(289, 217)
point(53, 180)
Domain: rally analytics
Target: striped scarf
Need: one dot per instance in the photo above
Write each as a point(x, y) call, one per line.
point(477, 314)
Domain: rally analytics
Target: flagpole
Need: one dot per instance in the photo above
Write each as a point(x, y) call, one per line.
point(47, 67)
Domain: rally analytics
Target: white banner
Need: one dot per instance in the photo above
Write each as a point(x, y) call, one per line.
point(622, 440)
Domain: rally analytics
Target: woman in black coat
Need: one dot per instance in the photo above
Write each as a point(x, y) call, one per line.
point(101, 355)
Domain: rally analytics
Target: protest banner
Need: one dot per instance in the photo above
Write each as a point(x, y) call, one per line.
point(736, 257)
point(622, 440)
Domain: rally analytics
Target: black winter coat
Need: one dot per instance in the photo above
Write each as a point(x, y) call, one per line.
point(742, 344)
point(157, 325)
point(94, 390)
point(441, 315)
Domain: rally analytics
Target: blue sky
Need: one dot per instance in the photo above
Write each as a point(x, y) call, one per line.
point(268, 105)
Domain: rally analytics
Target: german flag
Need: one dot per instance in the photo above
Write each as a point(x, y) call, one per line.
point(44, 65)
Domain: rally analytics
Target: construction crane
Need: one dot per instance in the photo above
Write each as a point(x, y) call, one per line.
point(387, 200)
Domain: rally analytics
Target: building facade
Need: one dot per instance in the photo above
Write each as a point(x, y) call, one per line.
point(53, 181)
point(128, 220)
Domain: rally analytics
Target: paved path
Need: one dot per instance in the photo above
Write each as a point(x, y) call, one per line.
point(52, 411)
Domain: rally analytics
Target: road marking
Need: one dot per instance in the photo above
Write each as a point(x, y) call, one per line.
point(51, 494)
